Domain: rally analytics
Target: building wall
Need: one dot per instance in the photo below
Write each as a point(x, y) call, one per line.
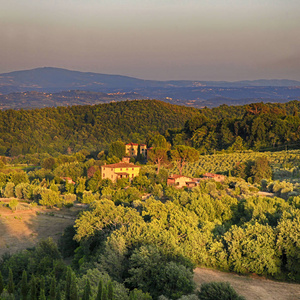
point(143, 150)
point(131, 149)
point(179, 182)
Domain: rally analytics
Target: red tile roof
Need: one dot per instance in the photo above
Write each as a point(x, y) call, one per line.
point(121, 165)
point(174, 176)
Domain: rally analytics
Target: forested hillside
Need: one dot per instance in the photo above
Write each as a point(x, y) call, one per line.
point(69, 129)
point(256, 126)
point(238, 111)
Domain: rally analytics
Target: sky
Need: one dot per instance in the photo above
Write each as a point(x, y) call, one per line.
point(154, 39)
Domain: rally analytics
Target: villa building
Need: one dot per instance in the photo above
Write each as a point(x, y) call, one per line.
point(132, 149)
point(119, 170)
point(180, 181)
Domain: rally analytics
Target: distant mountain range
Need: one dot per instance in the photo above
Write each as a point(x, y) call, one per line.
point(51, 85)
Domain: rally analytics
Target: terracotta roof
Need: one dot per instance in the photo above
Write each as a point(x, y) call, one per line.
point(121, 165)
point(177, 176)
point(132, 144)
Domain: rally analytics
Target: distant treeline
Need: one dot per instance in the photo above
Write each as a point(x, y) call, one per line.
point(256, 126)
point(70, 129)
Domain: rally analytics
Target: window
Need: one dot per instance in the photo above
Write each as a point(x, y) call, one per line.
point(132, 175)
point(126, 169)
point(121, 169)
point(132, 169)
point(103, 175)
point(112, 169)
point(112, 176)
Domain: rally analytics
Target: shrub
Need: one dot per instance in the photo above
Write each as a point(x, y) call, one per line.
point(49, 198)
point(9, 190)
point(88, 197)
point(68, 199)
point(13, 203)
point(218, 290)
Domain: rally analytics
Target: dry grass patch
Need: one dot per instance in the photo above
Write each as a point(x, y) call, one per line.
point(252, 288)
point(25, 228)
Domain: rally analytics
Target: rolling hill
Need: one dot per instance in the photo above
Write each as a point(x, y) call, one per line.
point(58, 129)
point(52, 83)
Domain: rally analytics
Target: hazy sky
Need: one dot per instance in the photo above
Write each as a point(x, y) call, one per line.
point(154, 39)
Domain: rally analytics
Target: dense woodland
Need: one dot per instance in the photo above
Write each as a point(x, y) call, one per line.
point(71, 129)
point(142, 239)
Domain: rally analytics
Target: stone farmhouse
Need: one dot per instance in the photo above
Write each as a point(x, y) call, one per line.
point(180, 181)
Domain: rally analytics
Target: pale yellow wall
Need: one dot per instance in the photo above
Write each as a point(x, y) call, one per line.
point(131, 150)
point(111, 173)
point(143, 150)
point(108, 173)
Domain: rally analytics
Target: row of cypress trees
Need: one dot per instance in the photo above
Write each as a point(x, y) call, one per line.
point(29, 290)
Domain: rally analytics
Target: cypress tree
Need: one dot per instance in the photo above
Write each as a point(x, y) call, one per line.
point(42, 283)
point(42, 295)
point(52, 289)
point(33, 290)
point(1, 283)
point(110, 291)
point(10, 284)
point(68, 283)
point(132, 296)
point(73, 288)
point(87, 291)
point(58, 295)
point(104, 294)
point(100, 290)
point(24, 286)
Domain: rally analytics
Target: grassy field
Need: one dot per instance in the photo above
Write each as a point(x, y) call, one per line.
point(25, 227)
point(253, 288)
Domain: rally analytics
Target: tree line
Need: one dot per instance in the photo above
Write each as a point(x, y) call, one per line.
point(93, 128)
point(71, 129)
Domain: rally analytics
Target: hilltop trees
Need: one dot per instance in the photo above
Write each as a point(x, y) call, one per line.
point(261, 169)
point(182, 155)
point(157, 156)
point(117, 149)
point(74, 128)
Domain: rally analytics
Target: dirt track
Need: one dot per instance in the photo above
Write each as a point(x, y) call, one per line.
point(251, 288)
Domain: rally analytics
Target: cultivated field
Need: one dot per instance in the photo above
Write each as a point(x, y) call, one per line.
point(253, 288)
point(24, 228)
